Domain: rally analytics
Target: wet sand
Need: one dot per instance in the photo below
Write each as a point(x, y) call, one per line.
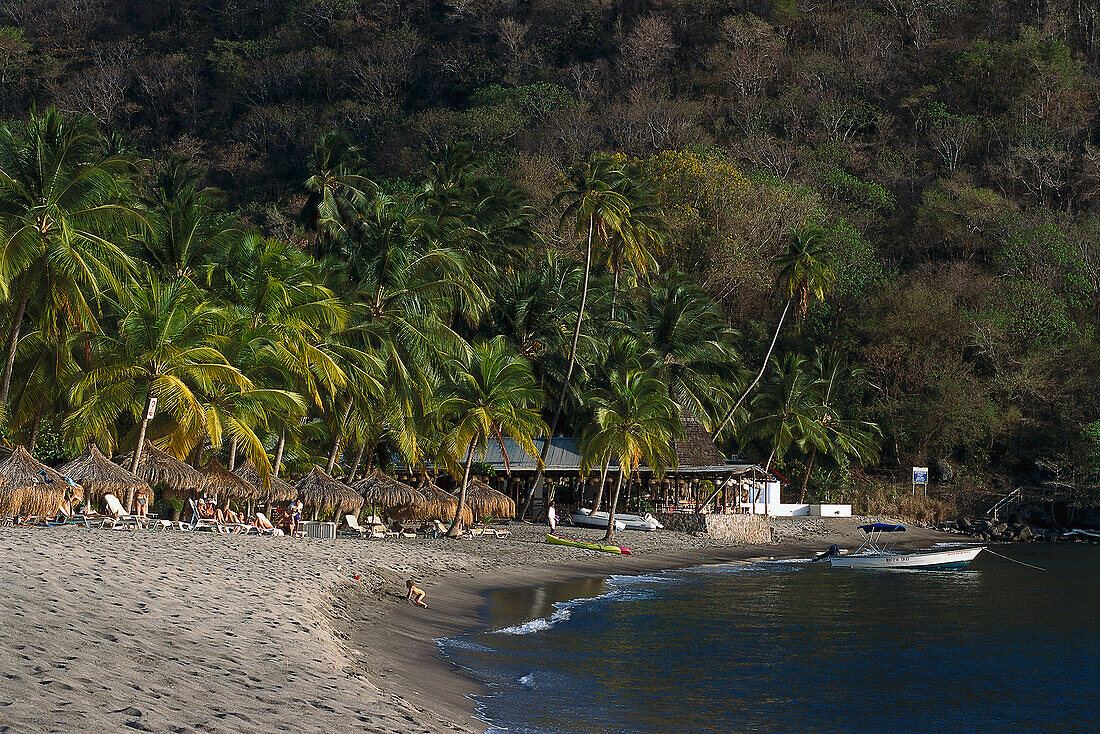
point(182, 632)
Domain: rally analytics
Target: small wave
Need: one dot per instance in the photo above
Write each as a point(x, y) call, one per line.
point(527, 681)
point(538, 625)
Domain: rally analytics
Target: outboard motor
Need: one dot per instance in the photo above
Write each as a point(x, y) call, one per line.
point(833, 550)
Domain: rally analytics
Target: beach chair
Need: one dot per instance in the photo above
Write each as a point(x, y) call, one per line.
point(200, 523)
point(266, 528)
point(119, 517)
point(355, 530)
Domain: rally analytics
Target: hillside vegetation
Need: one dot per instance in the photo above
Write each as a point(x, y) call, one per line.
point(908, 188)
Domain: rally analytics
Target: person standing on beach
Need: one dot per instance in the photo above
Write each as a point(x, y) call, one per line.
point(415, 595)
point(552, 518)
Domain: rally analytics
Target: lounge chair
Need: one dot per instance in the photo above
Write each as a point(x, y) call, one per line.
point(265, 526)
point(354, 529)
point(120, 518)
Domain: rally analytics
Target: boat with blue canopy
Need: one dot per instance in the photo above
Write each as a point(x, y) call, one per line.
point(878, 552)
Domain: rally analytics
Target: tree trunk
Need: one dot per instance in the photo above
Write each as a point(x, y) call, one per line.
point(767, 470)
point(610, 534)
point(452, 532)
point(339, 439)
point(599, 490)
point(13, 341)
point(614, 293)
point(136, 461)
point(763, 367)
point(806, 476)
point(35, 426)
point(355, 466)
point(568, 376)
point(279, 453)
point(233, 455)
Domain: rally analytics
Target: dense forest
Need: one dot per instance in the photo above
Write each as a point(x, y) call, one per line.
point(848, 238)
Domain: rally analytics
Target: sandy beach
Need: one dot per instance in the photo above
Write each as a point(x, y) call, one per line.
point(199, 632)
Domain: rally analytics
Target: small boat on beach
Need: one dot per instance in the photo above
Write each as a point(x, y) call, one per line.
point(876, 554)
point(558, 540)
point(587, 519)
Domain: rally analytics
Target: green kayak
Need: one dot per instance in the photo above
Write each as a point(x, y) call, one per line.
point(558, 540)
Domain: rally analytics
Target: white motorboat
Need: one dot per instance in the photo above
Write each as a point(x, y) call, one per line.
point(587, 519)
point(875, 554)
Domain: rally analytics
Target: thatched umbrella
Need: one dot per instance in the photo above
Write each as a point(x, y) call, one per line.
point(442, 505)
point(159, 467)
point(484, 501)
point(29, 487)
point(278, 490)
point(380, 490)
point(321, 492)
point(98, 476)
point(225, 483)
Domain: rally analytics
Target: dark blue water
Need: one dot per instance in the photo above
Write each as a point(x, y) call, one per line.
point(793, 647)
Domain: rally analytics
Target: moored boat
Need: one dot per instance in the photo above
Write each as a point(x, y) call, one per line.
point(558, 540)
point(874, 554)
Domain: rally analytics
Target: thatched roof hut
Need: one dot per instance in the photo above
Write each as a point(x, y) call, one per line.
point(442, 505)
point(484, 501)
point(380, 490)
point(29, 487)
point(321, 492)
point(98, 476)
point(696, 448)
point(159, 467)
point(277, 490)
point(226, 484)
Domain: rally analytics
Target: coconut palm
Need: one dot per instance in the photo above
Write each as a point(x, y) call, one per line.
point(163, 351)
point(804, 272)
point(63, 205)
point(598, 211)
point(337, 192)
point(635, 422)
point(490, 393)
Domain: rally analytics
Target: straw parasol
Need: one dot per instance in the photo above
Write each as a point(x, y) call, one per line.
point(442, 505)
point(383, 491)
point(484, 501)
point(225, 483)
point(278, 490)
point(321, 492)
point(160, 467)
point(98, 476)
point(29, 487)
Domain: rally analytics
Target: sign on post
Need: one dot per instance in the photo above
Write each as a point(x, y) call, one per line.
point(920, 477)
point(152, 408)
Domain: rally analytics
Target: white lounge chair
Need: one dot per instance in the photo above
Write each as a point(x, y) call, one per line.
point(120, 517)
point(266, 528)
point(355, 530)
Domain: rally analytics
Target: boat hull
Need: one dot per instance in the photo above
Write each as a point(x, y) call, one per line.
point(558, 540)
point(929, 560)
point(586, 519)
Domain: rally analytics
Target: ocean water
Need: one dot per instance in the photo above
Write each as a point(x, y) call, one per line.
point(797, 647)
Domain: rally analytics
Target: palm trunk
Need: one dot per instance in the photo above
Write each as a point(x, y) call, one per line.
point(452, 532)
point(233, 455)
point(614, 293)
point(339, 439)
point(568, 376)
point(610, 534)
point(806, 476)
point(134, 462)
point(279, 453)
point(13, 341)
point(355, 466)
point(763, 367)
point(599, 491)
point(767, 470)
point(36, 425)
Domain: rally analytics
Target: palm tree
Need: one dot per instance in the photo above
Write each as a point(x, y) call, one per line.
point(490, 394)
point(337, 192)
point(635, 422)
point(838, 436)
point(63, 205)
point(188, 229)
point(599, 211)
point(804, 273)
point(163, 352)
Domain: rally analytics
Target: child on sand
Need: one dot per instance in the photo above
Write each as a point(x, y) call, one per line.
point(415, 595)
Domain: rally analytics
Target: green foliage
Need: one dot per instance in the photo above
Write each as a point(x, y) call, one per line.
point(845, 186)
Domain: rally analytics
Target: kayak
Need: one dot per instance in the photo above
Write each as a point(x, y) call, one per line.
point(558, 540)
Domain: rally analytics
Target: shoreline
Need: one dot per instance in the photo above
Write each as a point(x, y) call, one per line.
point(202, 632)
point(441, 691)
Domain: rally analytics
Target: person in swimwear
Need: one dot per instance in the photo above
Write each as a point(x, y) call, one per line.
point(415, 595)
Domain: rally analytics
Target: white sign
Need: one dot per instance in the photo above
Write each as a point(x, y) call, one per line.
point(152, 409)
point(920, 475)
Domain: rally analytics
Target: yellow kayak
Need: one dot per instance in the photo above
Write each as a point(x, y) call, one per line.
point(558, 540)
